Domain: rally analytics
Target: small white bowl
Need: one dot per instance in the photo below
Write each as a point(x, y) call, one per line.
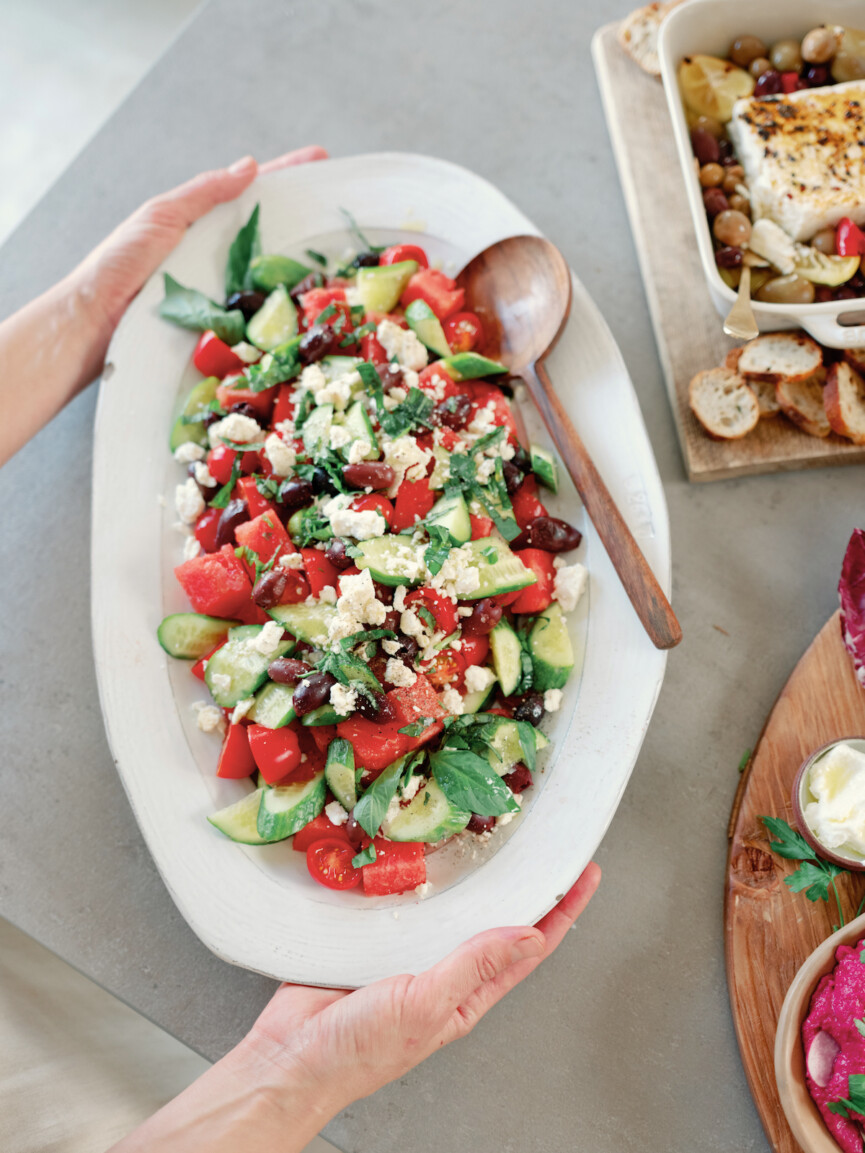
point(709, 27)
point(801, 797)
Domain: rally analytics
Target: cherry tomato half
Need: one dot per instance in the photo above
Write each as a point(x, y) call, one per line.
point(398, 252)
point(446, 669)
point(443, 610)
point(463, 332)
point(374, 502)
point(220, 461)
point(329, 863)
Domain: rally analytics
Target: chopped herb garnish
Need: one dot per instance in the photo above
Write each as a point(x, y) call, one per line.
point(417, 728)
point(854, 1102)
point(364, 857)
point(316, 257)
point(223, 496)
point(814, 875)
point(329, 311)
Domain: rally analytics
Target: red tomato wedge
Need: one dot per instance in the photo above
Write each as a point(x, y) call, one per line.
point(397, 868)
point(318, 829)
point(213, 357)
point(276, 752)
point(261, 402)
point(236, 760)
point(439, 292)
point(535, 598)
point(399, 252)
point(442, 609)
point(414, 498)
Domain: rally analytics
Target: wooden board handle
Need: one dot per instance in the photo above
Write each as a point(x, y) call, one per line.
point(640, 583)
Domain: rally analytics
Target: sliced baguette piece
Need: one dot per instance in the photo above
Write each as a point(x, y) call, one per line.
point(844, 400)
point(777, 356)
point(723, 403)
point(856, 357)
point(638, 34)
point(766, 397)
point(731, 360)
point(802, 402)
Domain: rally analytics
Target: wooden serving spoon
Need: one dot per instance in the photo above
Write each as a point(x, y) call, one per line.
point(521, 290)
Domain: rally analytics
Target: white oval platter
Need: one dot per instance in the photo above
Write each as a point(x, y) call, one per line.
point(257, 907)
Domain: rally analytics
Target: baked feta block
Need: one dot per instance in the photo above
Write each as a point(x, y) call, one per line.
point(804, 156)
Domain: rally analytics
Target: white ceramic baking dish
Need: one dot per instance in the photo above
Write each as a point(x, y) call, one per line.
point(709, 26)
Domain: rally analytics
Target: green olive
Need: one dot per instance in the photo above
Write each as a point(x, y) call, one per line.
point(820, 45)
point(786, 55)
point(824, 241)
point(709, 124)
point(759, 66)
point(711, 175)
point(848, 66)
point(732, 227)
point(744, 49)
point(790, 289)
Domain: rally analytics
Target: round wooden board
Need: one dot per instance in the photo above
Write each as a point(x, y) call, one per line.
point(769, 931)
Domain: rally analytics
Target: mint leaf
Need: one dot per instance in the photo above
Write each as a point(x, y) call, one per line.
point(369, 812)
point(364, 857)
point(192, 309)
point(471, 784)
point(244, 249)
point(329, 311)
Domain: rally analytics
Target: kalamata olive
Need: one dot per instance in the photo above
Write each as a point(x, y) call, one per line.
point(354, 831)
point(248, 302)
point(726, 150)
point(824, 241)
point(408, 648)
point(553, 534)
point(732, 227)
point(711, 175)
point(715, 202)
point(312, 692)
point(454, 413)
point(211, 418)
point(768, 84)
point(759, 67)
point(518, 779)
point(365, 260)
point(295, 494)
point(522, 460)
point(374, 474)
point(530, 708)
point(337, 555)
point(321, 482)
point(845, 292)
point(508, 383)
point(705, 146)
point(478, 824)
point(310, 281)
point(513, 476)
point(316, 342)
point(269, 588)
point(235, 512)
point(486, 614)
point(390, 375)
point(820, 45)
point(287, 670)
point(729, 257)
point(745, 49)
point(786, 55)
point(375, 708)
point(790, 289)
point(244, 409)
point(391, 620)
point(817, 76)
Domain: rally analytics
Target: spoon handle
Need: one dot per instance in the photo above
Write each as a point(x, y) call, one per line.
point(639, 582)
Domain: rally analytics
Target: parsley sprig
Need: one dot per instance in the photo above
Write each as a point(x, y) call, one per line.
point(854, 1102)
point(814, 876)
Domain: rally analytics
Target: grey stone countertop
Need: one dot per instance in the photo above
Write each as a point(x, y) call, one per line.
point(623, 1040)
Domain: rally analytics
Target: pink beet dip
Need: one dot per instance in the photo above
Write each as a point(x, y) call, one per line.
point(834, 1047)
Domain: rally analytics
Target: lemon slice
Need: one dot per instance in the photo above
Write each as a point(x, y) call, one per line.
point(711, 86)
point(822, 269)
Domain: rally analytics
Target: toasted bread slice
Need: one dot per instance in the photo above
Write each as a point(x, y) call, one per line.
point(802, 402)
point(731, 360)
point(638, 34)
point(777, 356)
point(723, 403)
point(856, 357)
point(766, 397)
point(844, 400)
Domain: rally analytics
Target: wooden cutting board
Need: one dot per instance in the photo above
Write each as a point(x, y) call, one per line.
point(687, 326)
point(769, 931)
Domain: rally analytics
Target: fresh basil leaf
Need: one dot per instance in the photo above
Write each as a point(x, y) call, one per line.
point(312, 526)
point(426, 616)
point(489, 439)
point(470, 783)
point(316, 257)
point(439, 547)
point(527, 744)
point(366, 635)
point(371, 379)
point(223, 496)
point(268, 486)
point(789, 843)
point(275, 367)
point(364, 857)
point(369, 812)
point(417, 728)
point(244, 249)
point(329, 311)
point(192, 309)
point(414, 412)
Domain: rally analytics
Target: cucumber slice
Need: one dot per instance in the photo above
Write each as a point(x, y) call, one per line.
point(478, 701)
point(287, 808)
point(544, 467)
point(392, 560)
point(359, 425)
point(245, 667)
point(271, 270)
point(316, 430)
point(273, 706)
point(339, 773)
point(323, 715)
point(275, 322)
point(197, 405)
point(306, 622)
point(334, 366)
point(506, 742)
point(424, 322)
point(504, 574)
point(451, 512)
point(507, 656)
point(380, 288)
point(192, 635)
point(239, 821)
point(429, 817)
point(305, 519)
point(551, 650)
point(470, 366)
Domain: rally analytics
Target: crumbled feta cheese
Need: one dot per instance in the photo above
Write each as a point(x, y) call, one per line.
point(328, 595)
point(392, 810)
point(312, 378)
point(424, 889)
point(188, 452)
point(235, 427)
point(241, 709)
point(191, 548)
point(188, 501)
point(399, 598)
point(484, 421)
point(401, 343)
point(203, 475)
point(507, 450)
point(398, 394)
point(359, 451)
point(412, 787)
point(569, 586)
point(452, 702)
point(282, 456)
point(248, 353)
point(268, 640)
point(347, 521)
point(221, 682)
point(338, 391)
point(459, 575)
point(552, 700)
point(411, 624)
point(464, 611)
point(437, 385)
point(410, 378)
point(407, 458)
point(399, 674)
point(335, 813)
point(485, 470)
point(344, 700)
point(339, 436)
point(357, 606)
point(209, 718)
point(479, 678)
point(291, 560)
point(391, 647)
point(353, 295)
point(286, 429)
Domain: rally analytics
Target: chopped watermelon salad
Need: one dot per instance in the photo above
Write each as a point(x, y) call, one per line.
point(378, 592)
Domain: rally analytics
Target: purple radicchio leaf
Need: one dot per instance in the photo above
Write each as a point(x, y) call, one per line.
point(851, 590)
